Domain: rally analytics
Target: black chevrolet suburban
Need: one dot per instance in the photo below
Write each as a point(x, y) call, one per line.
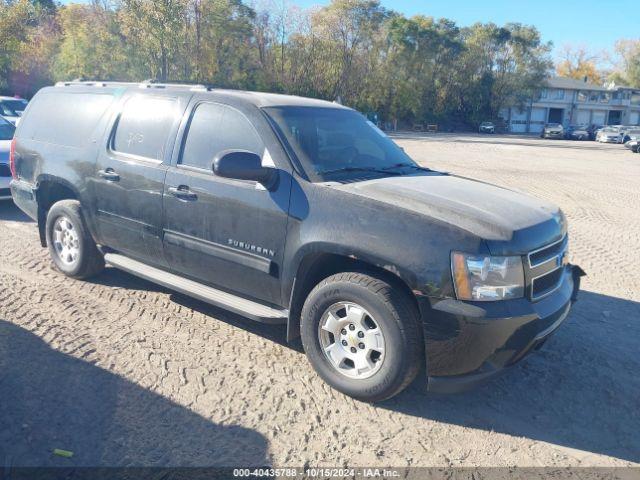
point(301, 212)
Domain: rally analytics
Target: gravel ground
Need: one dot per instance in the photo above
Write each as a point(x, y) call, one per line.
point(126, 373)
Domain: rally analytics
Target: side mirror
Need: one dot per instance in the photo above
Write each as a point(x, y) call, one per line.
point(243, 165)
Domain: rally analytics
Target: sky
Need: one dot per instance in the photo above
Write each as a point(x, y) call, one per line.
point(595, 24)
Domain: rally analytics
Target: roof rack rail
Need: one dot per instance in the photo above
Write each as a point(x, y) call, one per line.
point(150, 83)
point(91, 83)
point(153, 83)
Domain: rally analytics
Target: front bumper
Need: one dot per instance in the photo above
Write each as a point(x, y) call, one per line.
point(469, 342)
point(559, 135)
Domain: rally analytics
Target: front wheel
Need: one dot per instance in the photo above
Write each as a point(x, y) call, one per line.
point(362, 335)
point(70, 244)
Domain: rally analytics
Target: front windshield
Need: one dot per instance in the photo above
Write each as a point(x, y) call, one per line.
point(12, 108)
point(333, 142)
point(6, 130)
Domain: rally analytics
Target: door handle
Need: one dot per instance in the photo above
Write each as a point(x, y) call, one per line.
point(109, 174)
point(182, 192)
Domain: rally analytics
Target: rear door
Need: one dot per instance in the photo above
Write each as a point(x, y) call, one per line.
point(219, 231)
point(130, 174)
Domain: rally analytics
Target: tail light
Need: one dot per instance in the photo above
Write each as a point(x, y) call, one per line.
point(12, 158)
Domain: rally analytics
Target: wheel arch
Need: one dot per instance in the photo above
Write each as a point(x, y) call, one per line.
point(316, 265)
point(51, 189)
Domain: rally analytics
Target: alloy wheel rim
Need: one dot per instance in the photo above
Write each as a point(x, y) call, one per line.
point(351, 340)
point(66, 241)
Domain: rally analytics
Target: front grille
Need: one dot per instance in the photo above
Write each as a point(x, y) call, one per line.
point(546, 268)
point(546, 283)
point(548, 253)
point(5, 171)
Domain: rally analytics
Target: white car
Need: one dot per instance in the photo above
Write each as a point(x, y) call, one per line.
point(6, 135)
point(11, 108)
point(609, 135)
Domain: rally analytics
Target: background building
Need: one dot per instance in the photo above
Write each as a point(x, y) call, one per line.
point(575, 102)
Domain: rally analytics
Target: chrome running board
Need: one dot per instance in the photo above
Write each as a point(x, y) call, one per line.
point(241, 306)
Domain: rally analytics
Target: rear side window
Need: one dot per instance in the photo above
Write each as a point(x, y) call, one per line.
point(144, 126)
point(68, 119)
point(214, 128)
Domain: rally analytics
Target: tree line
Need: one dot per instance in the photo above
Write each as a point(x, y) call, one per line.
point(407, 70)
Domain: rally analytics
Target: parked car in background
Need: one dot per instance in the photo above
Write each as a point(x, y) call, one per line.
point(633, 145)
point(296, 211)
point(487, 127)
point(609, 135)
point(593, 131)
point(577, 132)
point(11, 108)
point(6, 135)
point(632, 133)
point(552, 130)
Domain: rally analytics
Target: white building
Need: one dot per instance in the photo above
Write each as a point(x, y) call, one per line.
point(575, 102)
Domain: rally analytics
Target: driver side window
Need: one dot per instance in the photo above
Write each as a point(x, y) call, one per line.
point(214, 128)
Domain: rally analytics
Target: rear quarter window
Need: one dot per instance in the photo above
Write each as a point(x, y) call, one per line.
point(144, 126)
point(66, 119)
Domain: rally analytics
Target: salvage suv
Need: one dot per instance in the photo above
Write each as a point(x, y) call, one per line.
point(296, 211)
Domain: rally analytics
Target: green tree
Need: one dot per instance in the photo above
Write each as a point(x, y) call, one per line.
point(627, 69)
point(154, 34)
point(91, 46)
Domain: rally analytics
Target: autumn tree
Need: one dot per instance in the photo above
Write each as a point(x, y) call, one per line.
point(578, 63)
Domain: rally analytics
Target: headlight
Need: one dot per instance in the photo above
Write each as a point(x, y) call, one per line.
point(485, 278)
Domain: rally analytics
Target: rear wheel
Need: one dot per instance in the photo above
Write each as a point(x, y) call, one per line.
point(362, 335)
point(70, 244)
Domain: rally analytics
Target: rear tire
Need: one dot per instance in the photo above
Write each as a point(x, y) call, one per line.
point(375, 349)
point(70, 244)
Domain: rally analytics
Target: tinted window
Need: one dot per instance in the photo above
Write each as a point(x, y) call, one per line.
point(330, 139)
point(144, 126)
point(64, 118)
point(12, 108)
point(6, 130)
point(214, 128)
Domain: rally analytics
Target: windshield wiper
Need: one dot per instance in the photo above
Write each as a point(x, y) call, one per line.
point(410, 165)
point(359, 169)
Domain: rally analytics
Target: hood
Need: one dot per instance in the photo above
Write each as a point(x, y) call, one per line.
point(509, 222)
point(5, 146)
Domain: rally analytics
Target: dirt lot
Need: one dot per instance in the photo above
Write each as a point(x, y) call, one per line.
point(126, 373)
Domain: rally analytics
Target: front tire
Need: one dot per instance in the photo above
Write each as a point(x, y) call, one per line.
point(362, 335)
point(70, 244)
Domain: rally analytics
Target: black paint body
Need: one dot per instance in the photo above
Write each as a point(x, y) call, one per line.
point(238, 236)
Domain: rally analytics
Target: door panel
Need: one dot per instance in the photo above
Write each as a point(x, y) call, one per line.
point(130, 173)
point(231, 235)
point(223, 232)
point(129, 210)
